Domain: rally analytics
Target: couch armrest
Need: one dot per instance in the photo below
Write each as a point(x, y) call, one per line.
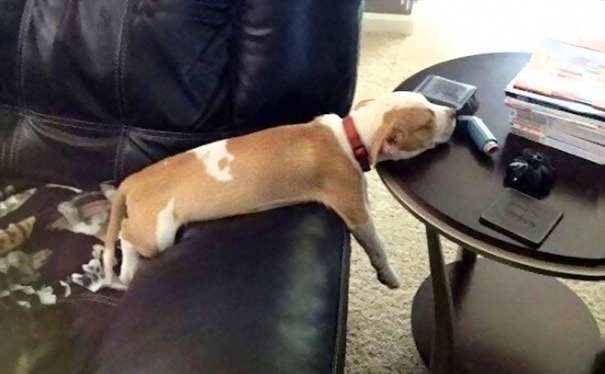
point(262, 293)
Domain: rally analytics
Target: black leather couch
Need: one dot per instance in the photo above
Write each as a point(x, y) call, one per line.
point(91, 91)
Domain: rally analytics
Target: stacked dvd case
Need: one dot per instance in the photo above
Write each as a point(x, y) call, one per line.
point(558, 99)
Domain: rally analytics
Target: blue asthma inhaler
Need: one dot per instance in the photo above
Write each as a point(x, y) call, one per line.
point(479, 133)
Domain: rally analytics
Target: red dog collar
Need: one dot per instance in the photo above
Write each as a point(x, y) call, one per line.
point(359, 150)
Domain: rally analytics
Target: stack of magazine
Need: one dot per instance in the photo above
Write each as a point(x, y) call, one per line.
point(558, 99)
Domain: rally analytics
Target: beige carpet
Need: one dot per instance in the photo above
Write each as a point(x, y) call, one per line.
point(379, 332)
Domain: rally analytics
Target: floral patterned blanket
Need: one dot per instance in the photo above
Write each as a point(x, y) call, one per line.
point(23, 262)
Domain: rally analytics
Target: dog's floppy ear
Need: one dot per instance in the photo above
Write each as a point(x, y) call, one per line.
point(402, 129)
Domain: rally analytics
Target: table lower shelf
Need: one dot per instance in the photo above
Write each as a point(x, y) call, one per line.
point(510, 321)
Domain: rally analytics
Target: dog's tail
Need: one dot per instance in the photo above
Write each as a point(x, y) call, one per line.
point(118, 210)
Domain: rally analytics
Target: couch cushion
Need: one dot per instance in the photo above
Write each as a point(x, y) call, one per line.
point(295, 60)
point(152, 64)
point(204, 66)
point(76, 152)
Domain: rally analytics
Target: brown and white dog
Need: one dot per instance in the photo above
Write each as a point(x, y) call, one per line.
point(319, 161)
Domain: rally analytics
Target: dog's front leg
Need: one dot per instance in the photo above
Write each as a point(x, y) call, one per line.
point(368, 238)
point(348, 197)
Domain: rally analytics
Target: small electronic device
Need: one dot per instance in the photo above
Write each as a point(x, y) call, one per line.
point(443, 91)
point(521, 217)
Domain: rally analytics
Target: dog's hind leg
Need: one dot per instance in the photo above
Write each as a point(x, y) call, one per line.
point(130, 261)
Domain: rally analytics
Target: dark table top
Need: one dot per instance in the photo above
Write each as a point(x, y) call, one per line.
point(456, 183)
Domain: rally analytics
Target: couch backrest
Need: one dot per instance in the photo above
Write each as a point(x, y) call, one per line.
point(136, 80)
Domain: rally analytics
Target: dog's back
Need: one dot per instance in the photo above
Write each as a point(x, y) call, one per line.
point(276, 167)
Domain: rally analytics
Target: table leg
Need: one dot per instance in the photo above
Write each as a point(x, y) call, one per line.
point(465, 255)
point(442, 352)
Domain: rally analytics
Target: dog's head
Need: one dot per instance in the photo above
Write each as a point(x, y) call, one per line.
point(407, 124)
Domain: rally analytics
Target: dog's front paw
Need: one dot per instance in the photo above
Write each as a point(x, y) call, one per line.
point(389, 279)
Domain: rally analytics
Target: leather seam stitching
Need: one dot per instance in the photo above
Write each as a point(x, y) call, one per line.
point(118, 157)
point(47, 121)
point(20, 78)
point(12, 151)
point(25, 111)
point(119, 66)
point(125, 136)
point(4, 145)
point(123, 129)
point(98, 126)
point(3, 160)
